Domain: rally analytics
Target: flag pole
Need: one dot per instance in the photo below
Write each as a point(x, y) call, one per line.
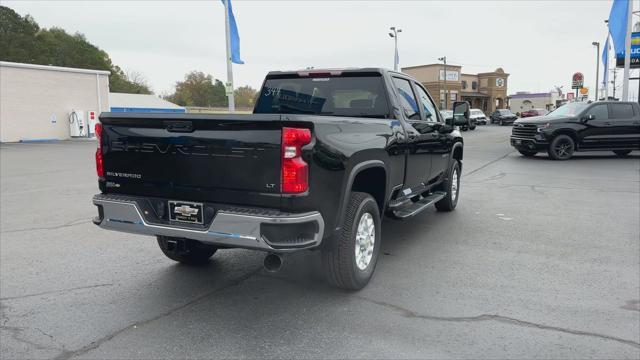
point(627, 54)
point(229, 87)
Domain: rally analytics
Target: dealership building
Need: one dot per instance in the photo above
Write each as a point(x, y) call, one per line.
point(485, 91)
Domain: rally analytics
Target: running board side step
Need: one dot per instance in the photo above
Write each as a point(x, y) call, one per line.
point(418, 206)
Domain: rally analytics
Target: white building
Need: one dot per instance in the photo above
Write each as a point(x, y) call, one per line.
point(523, 101)
point(36, 100)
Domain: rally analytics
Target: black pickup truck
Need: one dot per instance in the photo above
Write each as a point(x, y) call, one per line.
point(580, 126)
point(324, 156)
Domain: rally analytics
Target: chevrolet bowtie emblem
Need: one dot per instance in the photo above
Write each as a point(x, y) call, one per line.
point(185, 210)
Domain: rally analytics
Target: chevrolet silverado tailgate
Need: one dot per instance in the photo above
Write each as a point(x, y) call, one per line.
point(233, 159)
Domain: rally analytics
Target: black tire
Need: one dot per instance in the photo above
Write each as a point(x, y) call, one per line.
point(528, 153)
point(450, 201)
point(622, 153)
point(561, 147)
point(464, 128)
point(339, 251)
point(472, 126)
point(186, 251)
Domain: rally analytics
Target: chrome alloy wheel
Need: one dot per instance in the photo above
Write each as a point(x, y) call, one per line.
point(455, 188)
point(365, 241)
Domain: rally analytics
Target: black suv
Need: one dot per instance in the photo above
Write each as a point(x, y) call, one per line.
point(580, 126)
point(503, 116)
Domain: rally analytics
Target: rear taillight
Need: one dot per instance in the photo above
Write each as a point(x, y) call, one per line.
point(99, 160)
point(295, 171)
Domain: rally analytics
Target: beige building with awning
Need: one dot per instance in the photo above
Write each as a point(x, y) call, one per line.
point(485, 91)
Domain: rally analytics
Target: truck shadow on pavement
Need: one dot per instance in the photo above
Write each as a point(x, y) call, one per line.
point(584, 156)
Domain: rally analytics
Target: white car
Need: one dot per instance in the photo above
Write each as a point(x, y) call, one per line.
point(478, 117)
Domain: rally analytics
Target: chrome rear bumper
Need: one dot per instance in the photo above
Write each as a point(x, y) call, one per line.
point(229, 228)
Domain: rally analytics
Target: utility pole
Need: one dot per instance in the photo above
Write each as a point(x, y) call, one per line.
point(394, 35)
point(446, 92)
point(229, 87)
point(597, 45)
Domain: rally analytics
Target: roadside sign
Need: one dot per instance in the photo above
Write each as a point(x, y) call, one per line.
point(577, 81)
point(584, 91)
point(635, 53)
point(569, 96)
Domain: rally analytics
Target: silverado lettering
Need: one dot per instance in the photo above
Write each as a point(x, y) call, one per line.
point(202, 150)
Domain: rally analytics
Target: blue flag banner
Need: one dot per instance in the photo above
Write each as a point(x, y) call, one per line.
point(618, 18)
point(605, 62)
point(235, 37)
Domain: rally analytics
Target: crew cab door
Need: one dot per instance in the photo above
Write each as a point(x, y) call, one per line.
point(419, 134)
point(598, 132)
point(437, 143)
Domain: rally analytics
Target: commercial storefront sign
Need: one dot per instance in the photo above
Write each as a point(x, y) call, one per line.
point(577, 81)
point(451, 75)
point(635, 52)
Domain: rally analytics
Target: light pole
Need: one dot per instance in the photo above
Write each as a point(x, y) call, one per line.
point(446, 98)
point(394, 35)
point(597, 45)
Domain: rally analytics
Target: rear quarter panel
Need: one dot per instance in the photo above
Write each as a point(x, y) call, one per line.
point(339, 144)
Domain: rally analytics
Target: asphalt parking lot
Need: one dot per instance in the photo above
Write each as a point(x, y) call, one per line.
point(541, 259)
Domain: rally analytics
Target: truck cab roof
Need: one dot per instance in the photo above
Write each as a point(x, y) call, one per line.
point(331, 71)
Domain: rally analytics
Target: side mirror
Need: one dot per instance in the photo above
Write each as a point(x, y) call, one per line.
point(460, 113)
point(588, 117)
point(445, 128)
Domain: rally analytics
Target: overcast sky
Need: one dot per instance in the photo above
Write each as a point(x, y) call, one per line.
point(540, 43)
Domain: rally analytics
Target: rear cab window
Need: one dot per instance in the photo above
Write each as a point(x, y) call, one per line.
point(621, 111)
point(347, 94)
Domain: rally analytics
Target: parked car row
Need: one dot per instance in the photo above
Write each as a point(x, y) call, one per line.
point(534, 112)
point(477, 117)
point(503, 117)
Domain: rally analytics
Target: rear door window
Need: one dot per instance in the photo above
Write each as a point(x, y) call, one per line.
point(621, 111)
point(407, 98)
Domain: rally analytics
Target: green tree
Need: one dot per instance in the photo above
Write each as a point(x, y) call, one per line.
point(199, 89)
point(245, 96)
point(22, 40)
point(17, 36)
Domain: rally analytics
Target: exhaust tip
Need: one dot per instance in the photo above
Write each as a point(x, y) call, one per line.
point(272, 262)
